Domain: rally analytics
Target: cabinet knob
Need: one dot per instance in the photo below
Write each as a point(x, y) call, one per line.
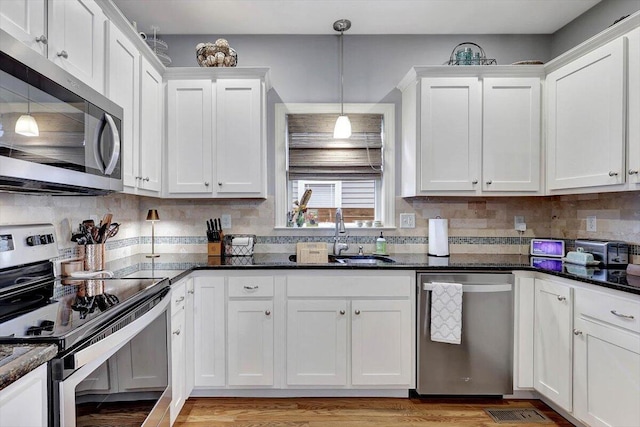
point(342, 312)
point(268, 313)
point(577, 332)
point(146, 179)
point(475, 181)
point(42, 39)
point(633, 172)
point(561, 298)
point(357, 312)
point(220, 184)
point(63, 54)
point(625, 316)
point(176, 332)
point(489, 182)
point(190, 291)
point(612, 173)
point(206, 183)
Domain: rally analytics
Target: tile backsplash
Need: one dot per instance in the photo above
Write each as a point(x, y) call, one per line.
point(476, 225)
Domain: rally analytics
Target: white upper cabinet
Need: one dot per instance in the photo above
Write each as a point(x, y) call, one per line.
point(633, 93)
point(149, 151)
point(240, 144)
point(511, 134)
point(586, 120)
point(471, 130)
point(216, 140)
point(123, 88)
point(26, 21)
point(76, 39)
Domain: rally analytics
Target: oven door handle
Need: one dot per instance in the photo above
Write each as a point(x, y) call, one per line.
point(494, 287)
point(118, 339)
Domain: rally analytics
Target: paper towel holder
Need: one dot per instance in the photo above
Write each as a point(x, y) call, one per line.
point(440, 248)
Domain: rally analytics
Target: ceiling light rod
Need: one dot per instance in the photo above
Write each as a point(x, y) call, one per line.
point(343, 125)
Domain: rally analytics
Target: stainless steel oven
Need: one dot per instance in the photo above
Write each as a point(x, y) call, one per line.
point(113, 361)
point(57, 135)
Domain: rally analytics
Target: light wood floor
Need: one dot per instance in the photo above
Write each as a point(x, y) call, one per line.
point(352, 412)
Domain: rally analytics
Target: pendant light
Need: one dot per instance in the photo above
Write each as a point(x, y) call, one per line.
point(342, 129)
point(26, 124)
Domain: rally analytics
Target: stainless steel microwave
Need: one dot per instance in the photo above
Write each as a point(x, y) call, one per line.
point(57, 134)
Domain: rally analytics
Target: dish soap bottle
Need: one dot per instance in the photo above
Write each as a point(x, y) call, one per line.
point(381, 244)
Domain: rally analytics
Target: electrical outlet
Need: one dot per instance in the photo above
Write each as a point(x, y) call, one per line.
point(407, 220)
point(591, 223)
point(518, 219)
point(521, 226)
point(225, 221)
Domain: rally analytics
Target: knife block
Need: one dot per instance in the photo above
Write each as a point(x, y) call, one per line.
point(216, 248)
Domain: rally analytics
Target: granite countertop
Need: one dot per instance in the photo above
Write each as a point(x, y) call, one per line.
point(17, 360)
point(177, 266)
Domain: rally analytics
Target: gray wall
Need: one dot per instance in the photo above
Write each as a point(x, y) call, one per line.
point(590, 23)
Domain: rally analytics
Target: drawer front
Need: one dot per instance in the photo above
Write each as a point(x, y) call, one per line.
point(250, 286)
point(348, 286)
point(618, 311)
point(178, 297)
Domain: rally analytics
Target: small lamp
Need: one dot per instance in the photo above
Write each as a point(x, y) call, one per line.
point(152, 216)
point(26, 125)
point(342, 129)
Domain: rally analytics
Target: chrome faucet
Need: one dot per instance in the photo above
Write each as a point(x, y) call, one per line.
point(338, 246)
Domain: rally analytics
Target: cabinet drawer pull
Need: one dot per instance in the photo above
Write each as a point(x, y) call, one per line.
point(561, 298)
point(624, 316)
point(42, 39)
point(612, 173)
point(180, 299)
point(633, 172)
point(577, 332)
point(357, 312)
point(342, 312)
point(251, 288)
point(63, 54)
point(268, 313)
point(176, 332)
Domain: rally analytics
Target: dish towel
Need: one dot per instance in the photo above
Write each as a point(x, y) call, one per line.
point(446, 312)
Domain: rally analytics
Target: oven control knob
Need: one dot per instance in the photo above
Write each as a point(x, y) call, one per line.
point(33, 240)
point(49, 238)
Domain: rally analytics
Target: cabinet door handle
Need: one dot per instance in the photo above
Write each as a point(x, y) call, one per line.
point(176, 332)
point(42, 39)
point(357, 312)
point(624, 316)
point(561, 298)
point(577, 332)
point(268, 313)
point(342, 312)
point(63, 54)
point(251, 288)
point(180, 299)
point(475, 181)
point(633, 172)
point(489, 182)
point(612, 173)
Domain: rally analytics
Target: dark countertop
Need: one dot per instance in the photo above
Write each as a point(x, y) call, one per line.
point(18, 360)
point(177, 266)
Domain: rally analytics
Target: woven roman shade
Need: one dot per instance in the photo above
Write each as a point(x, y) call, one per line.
point(314, 154)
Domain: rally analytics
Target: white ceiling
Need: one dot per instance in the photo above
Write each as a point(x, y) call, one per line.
point(225, 17)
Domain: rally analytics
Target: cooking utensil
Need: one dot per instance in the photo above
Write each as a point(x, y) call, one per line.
point(112, 231)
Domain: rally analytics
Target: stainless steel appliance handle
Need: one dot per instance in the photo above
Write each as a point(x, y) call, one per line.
point(503, 287)
point(115, 152)
point(118, 339)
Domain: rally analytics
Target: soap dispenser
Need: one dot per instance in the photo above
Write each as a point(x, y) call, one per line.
point(381, 245)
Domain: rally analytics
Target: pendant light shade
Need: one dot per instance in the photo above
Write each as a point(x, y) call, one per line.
point(27, 126)
point(342, 129)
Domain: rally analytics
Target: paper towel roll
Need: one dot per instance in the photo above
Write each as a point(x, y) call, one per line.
point(438, 237)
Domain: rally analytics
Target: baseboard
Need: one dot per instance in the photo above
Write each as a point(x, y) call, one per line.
point(298, 393)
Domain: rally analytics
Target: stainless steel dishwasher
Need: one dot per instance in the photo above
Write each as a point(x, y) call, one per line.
point(482, 364)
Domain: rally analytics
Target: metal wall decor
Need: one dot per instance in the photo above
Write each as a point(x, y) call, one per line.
point(469, 53)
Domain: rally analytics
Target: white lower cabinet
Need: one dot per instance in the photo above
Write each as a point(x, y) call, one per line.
point(181, 345)
point(24, 402)
point(553, 342)
point(209, 331)
point(606, 359)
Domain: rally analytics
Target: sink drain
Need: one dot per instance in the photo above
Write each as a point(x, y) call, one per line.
point(524, 415)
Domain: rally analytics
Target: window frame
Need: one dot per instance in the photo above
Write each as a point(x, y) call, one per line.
point(337, 197)
point(386, 206)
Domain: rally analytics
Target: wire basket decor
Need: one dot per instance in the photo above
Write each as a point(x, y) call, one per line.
point(465, 54)
point(239, 244)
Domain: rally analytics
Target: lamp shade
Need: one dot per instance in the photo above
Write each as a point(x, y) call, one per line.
point(342, 129)
point(152, 215)
point(27, 126)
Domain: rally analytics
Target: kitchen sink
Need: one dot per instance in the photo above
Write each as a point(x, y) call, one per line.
point(354, 259)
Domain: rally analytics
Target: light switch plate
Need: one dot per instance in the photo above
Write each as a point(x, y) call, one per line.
point(407, 220)
point(225, 221)
point(591, 223)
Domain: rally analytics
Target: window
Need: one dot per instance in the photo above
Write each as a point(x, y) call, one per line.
point(355, 174)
